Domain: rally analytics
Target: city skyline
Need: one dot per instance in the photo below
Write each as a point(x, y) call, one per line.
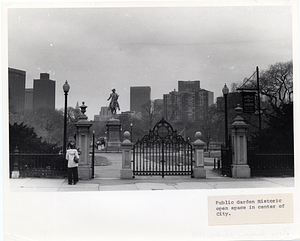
point(98, 49)
point(44, 88)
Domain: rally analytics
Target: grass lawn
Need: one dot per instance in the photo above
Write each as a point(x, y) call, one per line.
point(101, 161)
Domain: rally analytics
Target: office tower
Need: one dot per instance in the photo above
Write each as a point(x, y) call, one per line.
point(189, 104)
point(206, 99)
point(171, 106)
point(139, 97)
point(187, 86)
point(44, 92)
point(28, 99)
point(104, 114)
point(158, 107)
point(16, 90)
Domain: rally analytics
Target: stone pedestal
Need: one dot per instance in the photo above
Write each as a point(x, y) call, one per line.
point(199, 171)
point(239, 129)
point(241, 171)
point(15, 174)
point(126, 146)
point(113, 135)
point(83, 139)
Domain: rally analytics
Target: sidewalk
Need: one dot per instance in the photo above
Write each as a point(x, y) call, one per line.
point(107, 178)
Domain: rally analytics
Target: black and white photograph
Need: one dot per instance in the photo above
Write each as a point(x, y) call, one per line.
point(149, 120)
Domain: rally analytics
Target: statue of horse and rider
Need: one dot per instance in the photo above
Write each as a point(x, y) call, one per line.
point(114, 104)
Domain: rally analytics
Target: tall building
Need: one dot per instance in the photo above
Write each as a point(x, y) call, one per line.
point(139, 96)
point(28, 99)
point(189, 103)
point(233, 99)
point(206, 99)
point(104, 114)
point(16, 90)
point(158, 107)
point(44, 92)
point(187, 86)
point(171, 106)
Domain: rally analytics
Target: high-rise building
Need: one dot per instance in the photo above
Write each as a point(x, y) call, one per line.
point(104, 114)
point(139, 96)
point(233, 99)
point(206, 99)
point(44, 92)
point(188, 104)
point(171, 106)
point(28, 99)
point(187, 86)
point(158, 107)
point(16, 90)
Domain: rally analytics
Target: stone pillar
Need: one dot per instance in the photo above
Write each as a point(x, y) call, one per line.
point(113, 135)
point(239, 129)
point(199, 171)
point(126, 146)
point(15, 172)
point(83, 143)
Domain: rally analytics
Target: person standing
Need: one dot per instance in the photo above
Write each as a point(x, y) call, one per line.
point(72, 158)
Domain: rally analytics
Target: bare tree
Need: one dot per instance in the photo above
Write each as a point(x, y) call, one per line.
point(48, 124)
point(209, 123)
point(234, 86)
point(171, 113)
point(148, 115)
point(277, 83)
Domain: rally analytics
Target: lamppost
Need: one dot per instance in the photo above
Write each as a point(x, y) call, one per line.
point(131, 131)
point(225, 91)
point(66, 88)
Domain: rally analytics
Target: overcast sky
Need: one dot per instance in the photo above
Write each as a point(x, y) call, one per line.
point(97, 49)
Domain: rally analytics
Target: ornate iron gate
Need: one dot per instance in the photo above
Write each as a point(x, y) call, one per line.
point(162, 152)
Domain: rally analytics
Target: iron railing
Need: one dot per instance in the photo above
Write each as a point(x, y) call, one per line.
point(271, 164)
point(163, 152)
point(261, 164)
point(163, 159)
point(38, 165)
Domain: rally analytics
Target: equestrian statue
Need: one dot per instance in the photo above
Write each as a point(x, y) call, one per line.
point(114, 104)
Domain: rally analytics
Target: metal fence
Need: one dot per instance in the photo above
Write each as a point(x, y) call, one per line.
point(262, 164)
point(271, 164)
point(226, 159)
point(163, 152)
point(38, 165)
point(157, 158)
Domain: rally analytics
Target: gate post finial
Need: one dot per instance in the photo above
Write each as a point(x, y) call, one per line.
point(199, 171)
point(126, 137)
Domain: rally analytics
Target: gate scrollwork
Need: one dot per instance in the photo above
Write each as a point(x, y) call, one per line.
point(162, 152)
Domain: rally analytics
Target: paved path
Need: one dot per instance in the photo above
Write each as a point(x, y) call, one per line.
point(107, 178)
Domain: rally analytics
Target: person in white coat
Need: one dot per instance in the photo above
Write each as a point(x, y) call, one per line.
point(72, 158)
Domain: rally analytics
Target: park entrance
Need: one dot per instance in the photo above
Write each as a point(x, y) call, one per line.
point(163, 153)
